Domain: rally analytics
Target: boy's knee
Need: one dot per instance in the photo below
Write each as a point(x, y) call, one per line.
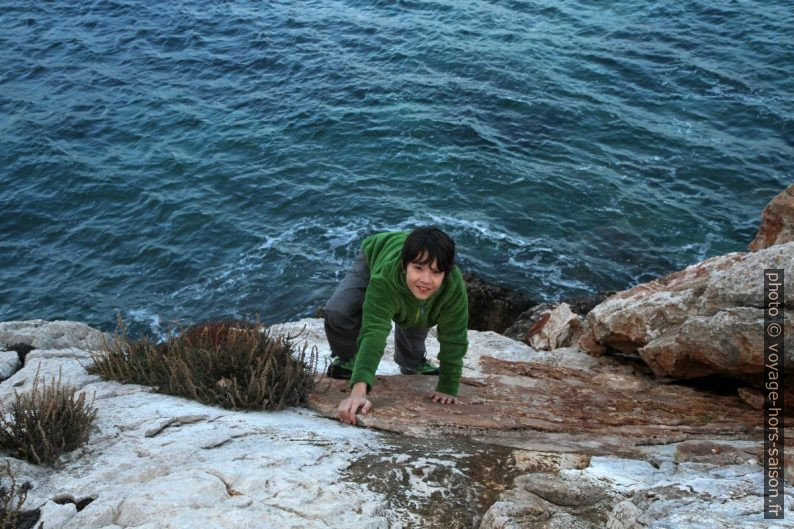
point(338, 319)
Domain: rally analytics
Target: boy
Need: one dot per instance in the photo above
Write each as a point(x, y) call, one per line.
point(410, 279)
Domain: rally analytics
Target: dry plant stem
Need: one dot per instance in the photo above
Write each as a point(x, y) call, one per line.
point(12, 497)
point(232, 364)
point(47, 421)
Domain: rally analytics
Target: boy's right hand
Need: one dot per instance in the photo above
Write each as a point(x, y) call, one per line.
point(346, 412)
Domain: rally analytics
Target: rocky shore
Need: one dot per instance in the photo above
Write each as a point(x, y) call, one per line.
point(635, 409)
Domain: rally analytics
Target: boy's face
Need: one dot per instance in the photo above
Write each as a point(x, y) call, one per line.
point(423, 279)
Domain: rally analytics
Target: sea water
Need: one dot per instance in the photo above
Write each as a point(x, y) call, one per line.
point(179, 161)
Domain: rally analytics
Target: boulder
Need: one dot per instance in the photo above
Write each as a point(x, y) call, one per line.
point(41, 334)
point(703, 320)
point(777, 222)
point(525, 321)
point(557, 328)
point(519, 329)
point(9, 363)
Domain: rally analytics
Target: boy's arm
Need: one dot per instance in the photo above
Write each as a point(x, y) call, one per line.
point(452, 337)
point(377, 313)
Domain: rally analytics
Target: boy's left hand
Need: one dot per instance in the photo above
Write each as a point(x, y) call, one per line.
point(443, 398)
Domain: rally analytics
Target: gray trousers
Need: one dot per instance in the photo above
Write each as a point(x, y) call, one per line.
point(343, 321)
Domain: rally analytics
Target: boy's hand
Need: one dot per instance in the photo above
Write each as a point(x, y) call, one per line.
point(346, 412)
point(347, 409)
point(443, 398)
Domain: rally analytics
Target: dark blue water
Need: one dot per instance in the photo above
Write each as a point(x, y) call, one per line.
point(177, 161)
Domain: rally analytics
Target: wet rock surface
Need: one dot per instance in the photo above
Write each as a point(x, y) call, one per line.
point(442, 483)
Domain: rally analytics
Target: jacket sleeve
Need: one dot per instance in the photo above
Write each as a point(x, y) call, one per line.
point(453, 339)
point(376, 318)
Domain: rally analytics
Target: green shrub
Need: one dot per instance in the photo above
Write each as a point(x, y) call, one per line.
point(236, 365)
point(46, 422)
point(12, 496)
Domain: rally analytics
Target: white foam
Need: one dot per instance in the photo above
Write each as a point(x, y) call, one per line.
point(144, 315)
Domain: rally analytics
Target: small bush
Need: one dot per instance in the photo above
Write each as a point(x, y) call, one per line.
point(46, 422)
point(12, 496)
point(236, 365)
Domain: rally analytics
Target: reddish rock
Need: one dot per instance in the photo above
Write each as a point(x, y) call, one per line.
point(777, 222)
point(536, 406)
point(589, 344)
point(580, 305)
point(557, 328)
point(527, 320)
point(704, 320)
point(751, 396)
point(716, 453)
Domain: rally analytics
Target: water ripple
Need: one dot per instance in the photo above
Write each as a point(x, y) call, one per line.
point(186, 160)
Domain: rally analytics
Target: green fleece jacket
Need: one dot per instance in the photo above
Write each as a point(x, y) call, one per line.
point(388, 299)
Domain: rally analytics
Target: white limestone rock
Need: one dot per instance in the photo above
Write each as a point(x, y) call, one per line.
point(158, 461)
point(48, 365)
point(9, 363)
point(56, 515)
point(685, 495)
point(632, 494)
point(43, 334)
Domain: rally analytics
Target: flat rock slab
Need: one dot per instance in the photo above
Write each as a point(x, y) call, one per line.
point(537, 406)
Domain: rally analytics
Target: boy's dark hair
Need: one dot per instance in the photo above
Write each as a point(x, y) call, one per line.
point(434, 243)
